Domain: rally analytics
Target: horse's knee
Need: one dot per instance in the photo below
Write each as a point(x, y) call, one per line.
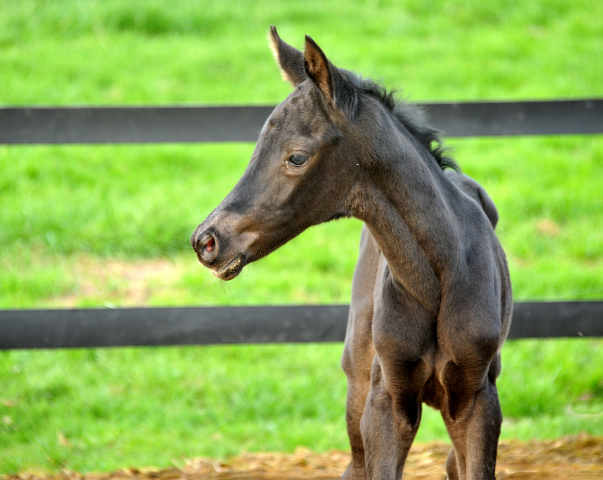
point(463, 385)
point(408, 412)
point(398, 387)
point(473, 362)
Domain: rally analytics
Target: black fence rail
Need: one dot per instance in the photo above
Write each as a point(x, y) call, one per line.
point(238, 325)
point(22, 329)
point(190, 124)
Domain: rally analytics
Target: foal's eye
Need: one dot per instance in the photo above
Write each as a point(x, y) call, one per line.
point(298, 159)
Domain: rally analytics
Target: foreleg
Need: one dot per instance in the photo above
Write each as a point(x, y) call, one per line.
point(358, 352)
point(473, 418)
point(391, 417)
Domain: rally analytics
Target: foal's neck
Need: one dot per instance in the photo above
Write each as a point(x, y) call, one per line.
point(406, 205)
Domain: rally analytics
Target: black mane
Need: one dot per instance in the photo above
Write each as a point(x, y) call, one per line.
point(411, 116)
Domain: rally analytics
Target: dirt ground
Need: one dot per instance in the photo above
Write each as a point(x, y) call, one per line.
point(572, 458)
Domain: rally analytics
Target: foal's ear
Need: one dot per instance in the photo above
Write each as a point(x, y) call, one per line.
point(290, 60)
point(337, 90)
point(318, 68)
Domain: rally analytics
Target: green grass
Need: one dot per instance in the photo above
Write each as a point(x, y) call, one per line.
point(109, 225)
point(93, 410)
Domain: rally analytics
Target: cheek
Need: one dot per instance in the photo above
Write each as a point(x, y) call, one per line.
point(313, 196)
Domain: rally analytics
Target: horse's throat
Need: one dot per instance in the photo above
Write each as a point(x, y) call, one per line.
point(407, 259)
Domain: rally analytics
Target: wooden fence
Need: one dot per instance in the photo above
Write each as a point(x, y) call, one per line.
point(275, 324)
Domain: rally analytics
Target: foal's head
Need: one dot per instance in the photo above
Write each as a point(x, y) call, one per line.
point(312, 152)
point(301, 172)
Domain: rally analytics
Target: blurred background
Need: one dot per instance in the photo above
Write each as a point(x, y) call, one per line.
point(93, 226)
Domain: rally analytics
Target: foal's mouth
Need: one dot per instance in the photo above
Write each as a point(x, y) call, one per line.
point(232, 269)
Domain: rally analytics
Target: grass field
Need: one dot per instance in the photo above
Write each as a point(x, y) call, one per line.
point(109, 225)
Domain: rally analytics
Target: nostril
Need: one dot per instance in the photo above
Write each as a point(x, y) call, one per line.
point(209, 244)
point(206, 247)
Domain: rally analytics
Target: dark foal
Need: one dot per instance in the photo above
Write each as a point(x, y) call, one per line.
point(431, 300)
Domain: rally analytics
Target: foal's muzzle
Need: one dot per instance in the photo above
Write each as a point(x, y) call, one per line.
point(217, 254)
